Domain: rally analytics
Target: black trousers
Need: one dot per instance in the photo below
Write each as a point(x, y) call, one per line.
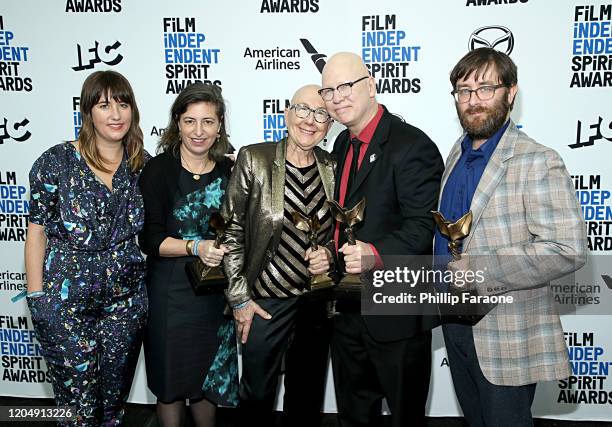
point(300, 331)
point(366, 370)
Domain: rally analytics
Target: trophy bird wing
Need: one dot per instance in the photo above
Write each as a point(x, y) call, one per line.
point(355, 214)
point(441, 223)
point(315, 225)
point(464, 224)
point(217, 221)
point(336, 211)
point(301, 222)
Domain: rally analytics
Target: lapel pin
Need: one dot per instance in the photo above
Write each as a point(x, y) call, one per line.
point(372, 158)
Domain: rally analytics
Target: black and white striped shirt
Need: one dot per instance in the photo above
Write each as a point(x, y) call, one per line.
point(287, 272)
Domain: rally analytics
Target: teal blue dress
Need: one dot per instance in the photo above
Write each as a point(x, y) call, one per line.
point(190, 347)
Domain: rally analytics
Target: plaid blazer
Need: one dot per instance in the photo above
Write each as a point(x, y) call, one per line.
point(527, 222)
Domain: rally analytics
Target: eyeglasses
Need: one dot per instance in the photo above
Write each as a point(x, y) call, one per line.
point(483, 93)
point(303, 111)
point(344, 90)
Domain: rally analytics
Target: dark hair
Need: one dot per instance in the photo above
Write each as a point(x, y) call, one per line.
point(191, 94)
point(479, 60)
point(103, 84)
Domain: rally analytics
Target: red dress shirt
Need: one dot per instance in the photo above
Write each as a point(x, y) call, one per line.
point(365, 136)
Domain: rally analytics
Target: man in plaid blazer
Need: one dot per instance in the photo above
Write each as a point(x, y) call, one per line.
point(527, 230)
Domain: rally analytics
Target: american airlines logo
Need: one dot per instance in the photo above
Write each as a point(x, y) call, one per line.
point(317, 58)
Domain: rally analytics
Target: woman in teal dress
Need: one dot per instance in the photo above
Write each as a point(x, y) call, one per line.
point(190, 348)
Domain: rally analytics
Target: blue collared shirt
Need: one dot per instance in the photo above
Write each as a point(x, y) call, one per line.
point(461, 186)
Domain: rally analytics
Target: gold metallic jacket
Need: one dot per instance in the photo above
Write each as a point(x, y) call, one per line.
point(255, 194)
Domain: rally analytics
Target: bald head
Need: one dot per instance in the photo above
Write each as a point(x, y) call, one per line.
point(354, 104)
point(305, 92)
point(307, 122)
point(347, 62)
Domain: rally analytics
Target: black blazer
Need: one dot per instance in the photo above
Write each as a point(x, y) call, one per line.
point(158, 184)
point(400, 179)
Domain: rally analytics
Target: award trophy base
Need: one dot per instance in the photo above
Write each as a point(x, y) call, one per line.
point(320, 282)
point(320, 288)
point(349, 287)
point(205, 280)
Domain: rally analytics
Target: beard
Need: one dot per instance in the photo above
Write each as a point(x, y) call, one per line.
point(485, 126)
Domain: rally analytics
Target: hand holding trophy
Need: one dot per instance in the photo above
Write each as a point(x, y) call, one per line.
point(350, 284)
point(456, 232)
point(311, 227)
point(204, 279)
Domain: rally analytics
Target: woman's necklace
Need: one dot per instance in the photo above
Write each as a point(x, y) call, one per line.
point(194, 175)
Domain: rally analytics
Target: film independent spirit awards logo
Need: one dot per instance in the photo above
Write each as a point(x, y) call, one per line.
point(493, 36)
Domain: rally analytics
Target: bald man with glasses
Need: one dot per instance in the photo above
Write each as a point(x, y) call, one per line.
point(397, 168)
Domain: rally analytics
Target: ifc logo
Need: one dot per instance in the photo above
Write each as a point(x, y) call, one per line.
point(493, 36)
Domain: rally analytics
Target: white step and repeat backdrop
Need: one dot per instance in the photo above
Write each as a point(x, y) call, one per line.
point(259, 52)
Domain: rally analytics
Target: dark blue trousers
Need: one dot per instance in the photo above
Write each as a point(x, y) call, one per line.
point(484, 404)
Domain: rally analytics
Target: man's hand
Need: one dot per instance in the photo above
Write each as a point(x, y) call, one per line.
point(358, 258)
point(244, 317)
point(318, 261)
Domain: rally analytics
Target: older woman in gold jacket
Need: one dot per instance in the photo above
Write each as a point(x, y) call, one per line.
point(269, 264)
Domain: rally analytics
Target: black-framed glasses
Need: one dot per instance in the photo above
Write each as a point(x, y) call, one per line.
point(303, 111)
point(344, 90)
point(483, 93)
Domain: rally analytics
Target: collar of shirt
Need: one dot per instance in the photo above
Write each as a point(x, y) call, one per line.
point(462, 183)
point(365, 136)
point(485, 150)
point(367, 132)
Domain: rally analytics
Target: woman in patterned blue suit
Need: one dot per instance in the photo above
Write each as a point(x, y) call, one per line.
point(85, 272)
point(190, 348)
